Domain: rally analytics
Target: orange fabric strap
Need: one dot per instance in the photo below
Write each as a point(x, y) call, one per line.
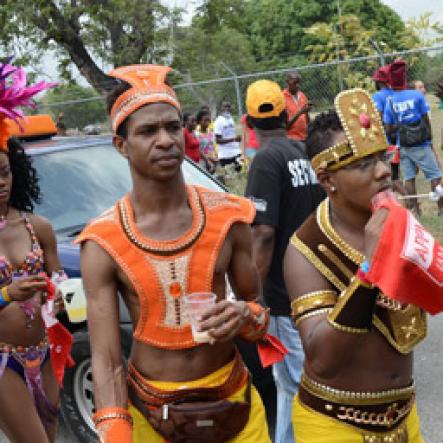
point(114, 425)
point(148, 86)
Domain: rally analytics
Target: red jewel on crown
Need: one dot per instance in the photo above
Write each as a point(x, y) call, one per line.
point(365, 121)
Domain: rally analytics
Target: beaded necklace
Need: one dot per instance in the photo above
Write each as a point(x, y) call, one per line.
point(324, 222)
point(164, 247)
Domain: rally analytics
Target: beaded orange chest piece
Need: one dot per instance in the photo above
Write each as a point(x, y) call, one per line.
point(162, 272)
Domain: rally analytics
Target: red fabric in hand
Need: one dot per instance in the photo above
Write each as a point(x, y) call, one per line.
point(408, 262)
point(60, 340)
point(271, 350)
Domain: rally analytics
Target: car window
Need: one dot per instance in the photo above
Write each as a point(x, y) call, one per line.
point(79, 184)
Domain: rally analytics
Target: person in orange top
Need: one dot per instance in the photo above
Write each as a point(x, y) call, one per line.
point(297, 108)
point(161, 242)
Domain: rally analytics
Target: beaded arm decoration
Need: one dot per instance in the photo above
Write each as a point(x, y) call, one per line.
point(113, 425)
point(313, 304)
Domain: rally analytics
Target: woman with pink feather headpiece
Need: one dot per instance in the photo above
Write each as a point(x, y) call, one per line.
point(29, 392)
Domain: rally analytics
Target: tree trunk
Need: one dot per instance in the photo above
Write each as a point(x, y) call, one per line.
point(67, 35)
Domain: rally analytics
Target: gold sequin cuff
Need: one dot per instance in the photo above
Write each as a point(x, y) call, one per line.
point(311, 302)
point(354, 309)
point(311, 314)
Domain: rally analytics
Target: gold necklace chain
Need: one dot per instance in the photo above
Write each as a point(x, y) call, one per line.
point(164, 247)
point(324, 222)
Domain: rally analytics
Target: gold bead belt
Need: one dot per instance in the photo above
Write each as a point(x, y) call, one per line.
point(355, 398)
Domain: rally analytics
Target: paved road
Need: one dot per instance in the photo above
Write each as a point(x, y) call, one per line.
point(428, 373)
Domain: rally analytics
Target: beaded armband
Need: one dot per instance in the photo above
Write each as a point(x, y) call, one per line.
point(355, 308)
point(257, 322)
point(113, 425)
point(312, 304)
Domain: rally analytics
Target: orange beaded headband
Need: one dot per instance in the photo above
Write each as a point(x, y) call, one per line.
point(148, 86)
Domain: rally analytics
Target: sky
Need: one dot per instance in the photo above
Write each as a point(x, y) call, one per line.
point(414, 8)
point(405, 8)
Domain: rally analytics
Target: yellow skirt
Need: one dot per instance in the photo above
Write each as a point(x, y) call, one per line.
point(312, 427)
point(256, 430)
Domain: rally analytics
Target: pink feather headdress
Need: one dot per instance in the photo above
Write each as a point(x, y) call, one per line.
point(13, 94)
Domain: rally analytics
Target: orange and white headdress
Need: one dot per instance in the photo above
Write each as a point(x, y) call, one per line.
point(148, 86)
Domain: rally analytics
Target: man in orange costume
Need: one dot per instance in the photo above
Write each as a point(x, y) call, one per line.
point(160, 242)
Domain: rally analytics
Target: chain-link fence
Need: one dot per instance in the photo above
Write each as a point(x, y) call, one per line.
point(320, 82)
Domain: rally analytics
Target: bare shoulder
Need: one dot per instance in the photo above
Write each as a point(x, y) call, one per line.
point(301, 277)
point(42, 227)
point(91, 251)
point(240, 233)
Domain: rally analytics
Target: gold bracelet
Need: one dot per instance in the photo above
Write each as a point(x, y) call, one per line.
point(311, 301)
point(113, 416)
point(5, 294)
point(311, 314)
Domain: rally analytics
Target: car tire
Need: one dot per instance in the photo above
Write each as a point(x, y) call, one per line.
point(77, 397)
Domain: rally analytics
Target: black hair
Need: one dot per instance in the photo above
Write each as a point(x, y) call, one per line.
point(25, 192)
point(268, 123)
point(186, 116)
point(111, 98)
point(202, 113)
point(321, 131)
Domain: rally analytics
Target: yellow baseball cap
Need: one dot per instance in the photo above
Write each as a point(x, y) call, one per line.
point(264, 99)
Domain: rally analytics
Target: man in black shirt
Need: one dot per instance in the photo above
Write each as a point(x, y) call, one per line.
point(285, 191)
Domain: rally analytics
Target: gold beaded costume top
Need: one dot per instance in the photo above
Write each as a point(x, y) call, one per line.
point(337, 261)
point(402, 326)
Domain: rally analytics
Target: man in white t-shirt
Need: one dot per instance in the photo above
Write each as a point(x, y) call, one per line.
point(227, 140)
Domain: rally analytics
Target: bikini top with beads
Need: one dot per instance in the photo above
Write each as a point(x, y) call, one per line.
point(31, 265)
point(162, 272)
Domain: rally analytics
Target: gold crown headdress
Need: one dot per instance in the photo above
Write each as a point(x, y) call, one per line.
point(363, 128)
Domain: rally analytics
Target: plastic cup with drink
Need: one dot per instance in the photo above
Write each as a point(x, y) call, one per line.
point(196, 304)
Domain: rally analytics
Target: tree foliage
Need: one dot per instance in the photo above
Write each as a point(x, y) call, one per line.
point(224, 36)
point(116, 32)
point(277, 27)
point(81, 106)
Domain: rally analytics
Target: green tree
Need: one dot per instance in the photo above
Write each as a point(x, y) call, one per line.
point(200, 56)
point(276, 28)
point(83, 32)
point(80, 105)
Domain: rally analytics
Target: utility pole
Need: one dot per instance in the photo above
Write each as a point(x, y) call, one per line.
point(378, 50)
point(339, 74)
point(237, 89)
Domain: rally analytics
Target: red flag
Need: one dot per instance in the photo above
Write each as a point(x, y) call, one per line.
point(270, 350)
point(408, 262)
point(60, 339)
